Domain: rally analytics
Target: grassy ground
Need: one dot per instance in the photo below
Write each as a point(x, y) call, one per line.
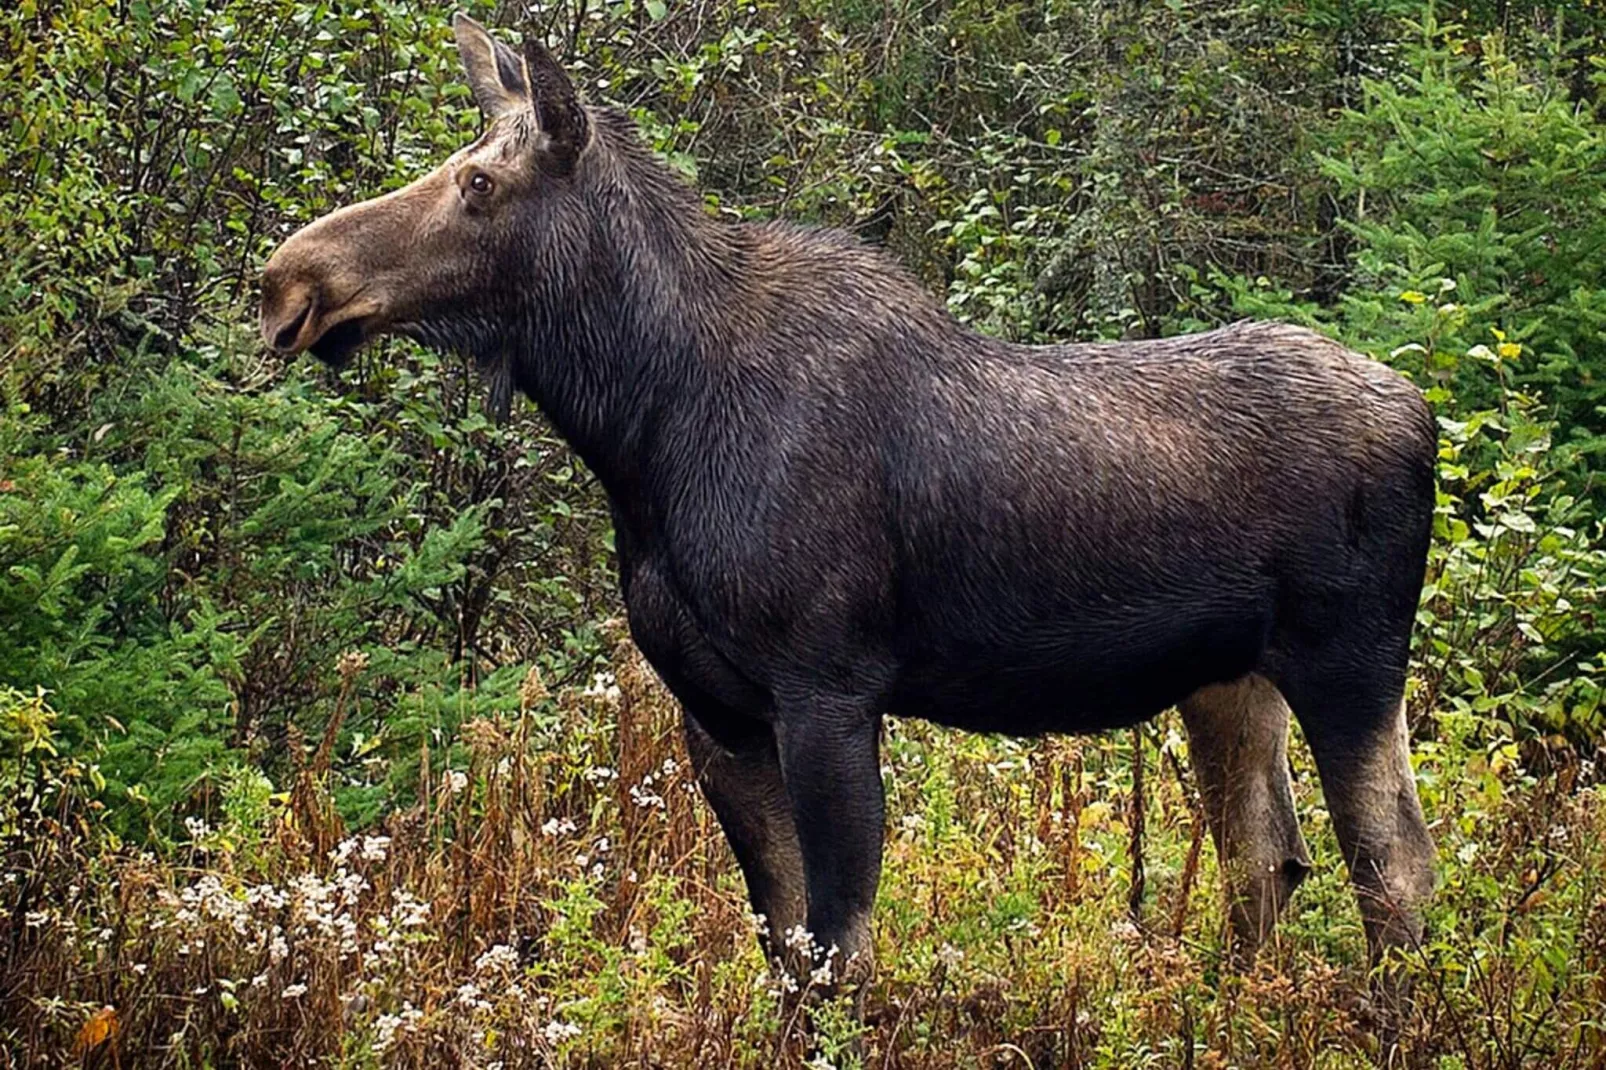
point(567, 900)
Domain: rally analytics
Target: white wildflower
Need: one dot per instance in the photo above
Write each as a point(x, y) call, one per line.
point(821, 974)
point(501, 957)
point(342, 851)
point(603, 687)
point(799, 939)
point(385, 1032)
point(646, 799)
point(409, 911)
point(557, 1031)
point(266, 896)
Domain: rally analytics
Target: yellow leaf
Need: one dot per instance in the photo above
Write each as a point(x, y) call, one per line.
point(101, 1027)
point(1510, 350)
point(1413, 297)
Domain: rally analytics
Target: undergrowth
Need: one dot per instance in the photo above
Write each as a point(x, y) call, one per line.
point(561, 897)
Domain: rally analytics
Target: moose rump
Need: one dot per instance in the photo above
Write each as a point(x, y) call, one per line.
point(832, 501)
point(1085, 535)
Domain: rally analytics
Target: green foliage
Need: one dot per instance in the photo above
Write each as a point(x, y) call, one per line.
point(36, 779)
point(80, 616)
point(1478, 169)
point(1508, 618)
point(151, 615)
point(190, 536)
point(1474, 193)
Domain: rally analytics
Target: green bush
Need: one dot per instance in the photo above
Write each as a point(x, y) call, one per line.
point(1481, 170)
point(191, 535)
point(1476, 190)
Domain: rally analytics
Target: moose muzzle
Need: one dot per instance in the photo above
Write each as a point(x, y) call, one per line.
point(311, 299)
point(339, 281)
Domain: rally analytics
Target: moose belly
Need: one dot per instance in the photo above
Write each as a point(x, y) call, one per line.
point(1099, 671)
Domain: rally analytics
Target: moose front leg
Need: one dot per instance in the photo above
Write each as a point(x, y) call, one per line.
point(829, 749)
point(745, 790)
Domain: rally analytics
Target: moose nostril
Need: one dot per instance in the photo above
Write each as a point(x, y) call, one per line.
point(285, 337)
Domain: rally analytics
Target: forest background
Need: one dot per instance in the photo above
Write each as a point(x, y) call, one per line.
point(319, 740)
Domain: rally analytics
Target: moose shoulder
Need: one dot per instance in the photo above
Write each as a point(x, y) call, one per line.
point(832, 501)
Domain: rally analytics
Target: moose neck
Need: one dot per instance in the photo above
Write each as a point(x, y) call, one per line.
point(629, 338)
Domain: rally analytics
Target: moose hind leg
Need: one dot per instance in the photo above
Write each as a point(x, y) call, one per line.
point(1363, 752)
point(745, 790)
point(1238, 736)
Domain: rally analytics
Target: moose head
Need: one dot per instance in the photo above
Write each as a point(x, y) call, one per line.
point(450, 257)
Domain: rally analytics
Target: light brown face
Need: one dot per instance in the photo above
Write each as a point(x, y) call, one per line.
point(440, 247)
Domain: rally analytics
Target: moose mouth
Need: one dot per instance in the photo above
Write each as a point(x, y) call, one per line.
point(336, 345)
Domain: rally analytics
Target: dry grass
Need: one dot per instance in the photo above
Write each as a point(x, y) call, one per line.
point(567, 900)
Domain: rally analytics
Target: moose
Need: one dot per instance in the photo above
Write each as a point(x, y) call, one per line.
point(834, 502)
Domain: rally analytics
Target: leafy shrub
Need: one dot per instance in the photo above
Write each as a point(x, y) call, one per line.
point(1475, 272)
point(1481, 170)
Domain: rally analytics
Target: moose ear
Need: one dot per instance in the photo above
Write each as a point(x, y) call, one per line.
point(558, 111)
point(495, 71)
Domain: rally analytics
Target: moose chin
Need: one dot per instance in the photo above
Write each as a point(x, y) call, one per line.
point(833, 502)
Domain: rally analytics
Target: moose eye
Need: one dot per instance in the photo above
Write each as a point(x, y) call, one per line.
point(481, 184)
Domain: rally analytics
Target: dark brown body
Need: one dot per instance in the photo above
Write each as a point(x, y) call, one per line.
point(832, 502)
